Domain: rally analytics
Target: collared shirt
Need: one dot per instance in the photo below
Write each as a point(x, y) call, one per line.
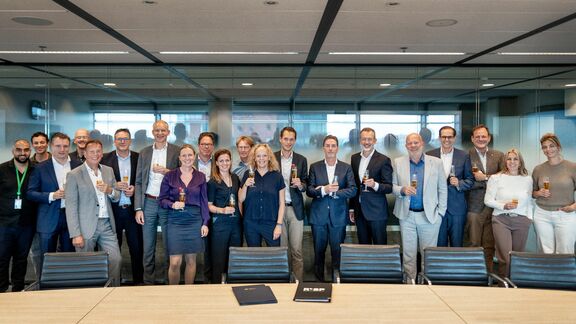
point(262, 200)
point(61, 171)
point(240, 169)
point(205, 167)
point(287, 174)
point(447, 161)
point(100, 196)
point(482, 158)
point(9, 216)
point(417, 201)
point(125, 168)
point(364, 161)
point(330, 170)
point(159, 157)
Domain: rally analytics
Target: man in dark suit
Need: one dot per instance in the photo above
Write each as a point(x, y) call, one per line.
point(81, 137)
point(153, 163)
point(370, 204)
point(46, 187)
point(89, 193)
point(460, 179)
point(485, 162)
point(124, 162)
point(330, 185)
point(294, 169)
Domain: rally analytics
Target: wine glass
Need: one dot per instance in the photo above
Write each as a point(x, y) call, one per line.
point(365, 178)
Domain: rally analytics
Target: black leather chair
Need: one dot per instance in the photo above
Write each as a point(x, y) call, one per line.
point(535, 270)
point(258, 265)
point(73, 270)
point(370, 264)
point(457, 266)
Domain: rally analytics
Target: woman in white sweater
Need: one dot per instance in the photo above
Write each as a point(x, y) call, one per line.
point(510, 194)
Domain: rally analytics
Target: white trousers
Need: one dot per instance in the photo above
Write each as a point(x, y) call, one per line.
point(556, 230)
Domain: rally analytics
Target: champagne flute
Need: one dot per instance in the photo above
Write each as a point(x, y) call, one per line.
point(126, 177)
point(365, 178)
point(251, 175)
point(293, 172)
point(452, 171)
point(232, 201)
point(546, 183)
point(182, 197)
point(414, 181)
point(335, 182)
point(474, 167)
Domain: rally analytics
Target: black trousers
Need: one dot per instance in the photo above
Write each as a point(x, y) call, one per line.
point(15, 242)
point(226, 232)
point(125, 222)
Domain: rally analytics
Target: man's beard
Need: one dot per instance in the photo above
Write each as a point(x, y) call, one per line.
point(22, 158)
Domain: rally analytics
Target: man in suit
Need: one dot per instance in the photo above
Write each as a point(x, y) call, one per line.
point(46, 187)
point(124, 162)
point(40, 143)
point(203, 163)
point(419, 184)
point(330, 185)
point(458, 172)
point(153, 163)
point(81, 137)
point(370, 204)
point(485, 162)
point(89, 190)
point(294, 169)
point(243, 145)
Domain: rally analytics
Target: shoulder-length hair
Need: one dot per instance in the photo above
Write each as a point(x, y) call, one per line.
point(522, 167)
point(215, 174)
point(272, 162)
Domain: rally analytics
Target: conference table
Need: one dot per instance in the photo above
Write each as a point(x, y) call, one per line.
point(351, 303)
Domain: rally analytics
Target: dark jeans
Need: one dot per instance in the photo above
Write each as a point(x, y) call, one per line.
point(49, 241)
point(371, 232)
point(255, 231)
point(322, 235)
point(125, 221)
point(226, 232)
point(15, 242)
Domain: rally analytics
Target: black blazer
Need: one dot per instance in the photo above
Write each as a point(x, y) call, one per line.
point(111, 159)
point(374, 205)
point(295, 194)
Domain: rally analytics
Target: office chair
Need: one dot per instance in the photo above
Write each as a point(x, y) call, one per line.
point(457, 266)
point(370, 264)
point(258, 265)
point(535, 270)
point(73, 270)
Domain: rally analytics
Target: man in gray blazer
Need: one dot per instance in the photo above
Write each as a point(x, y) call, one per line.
point(485, 162)
point(153, 163)
point(421, 193)
point(89, 190)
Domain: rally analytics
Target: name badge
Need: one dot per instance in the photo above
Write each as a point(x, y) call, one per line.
point(18, 203)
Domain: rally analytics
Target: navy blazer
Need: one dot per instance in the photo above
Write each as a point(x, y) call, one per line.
point(295, 194)
point(327, 210)
point(111, 159)
point(457, 196)
point(373, 205)
point(43, 182)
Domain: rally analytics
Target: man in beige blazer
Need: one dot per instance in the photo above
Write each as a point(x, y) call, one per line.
point(419, 184)
point(89, 192)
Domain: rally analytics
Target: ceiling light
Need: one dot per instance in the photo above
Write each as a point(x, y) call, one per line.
point(538, 53)
point(247, 84)
point(65, 52)
point(396, 53)
point(227, 53)
point(488, 84)
point(570, 85)
point(385, 84)
point(32, 21)
point(441, 22)
point(109, 84)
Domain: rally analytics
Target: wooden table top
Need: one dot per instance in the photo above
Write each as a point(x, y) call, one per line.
point(350, 303)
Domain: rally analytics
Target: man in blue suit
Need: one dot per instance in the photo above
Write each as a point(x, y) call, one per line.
point(370, 204)
point(46, 187)
point(330, 184)
point(458, 171)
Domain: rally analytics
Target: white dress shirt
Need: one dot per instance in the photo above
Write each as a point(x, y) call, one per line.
point(159, 157)
point(61, 171)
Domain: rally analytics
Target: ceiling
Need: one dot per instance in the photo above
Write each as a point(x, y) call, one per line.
point(309, 29)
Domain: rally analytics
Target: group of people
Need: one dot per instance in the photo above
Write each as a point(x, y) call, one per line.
point(205, 203)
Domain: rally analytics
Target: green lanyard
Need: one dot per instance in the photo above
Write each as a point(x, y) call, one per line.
point(20, 181)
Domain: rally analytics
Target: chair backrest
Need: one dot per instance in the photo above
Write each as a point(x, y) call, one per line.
point(74, 270)
point(370, 263)
point(536, 270)
point(258, 265)
point(455, 266)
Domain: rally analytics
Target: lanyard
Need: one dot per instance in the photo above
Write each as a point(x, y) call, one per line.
point(20, 181)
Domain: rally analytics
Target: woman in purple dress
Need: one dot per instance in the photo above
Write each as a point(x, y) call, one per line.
point(184, 192)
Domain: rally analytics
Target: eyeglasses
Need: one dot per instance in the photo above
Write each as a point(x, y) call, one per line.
point(206, 144)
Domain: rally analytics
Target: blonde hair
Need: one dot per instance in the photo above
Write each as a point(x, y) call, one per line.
point(272, 162)
point(521, 168)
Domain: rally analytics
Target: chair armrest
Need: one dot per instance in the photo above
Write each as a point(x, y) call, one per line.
point(497, 278)
point(336, 276)
point(108, 283)
point(223, 279)
point(293, 278)
point(34, 286)
point(510, 283)
point(422, 279)
point(407, 279)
